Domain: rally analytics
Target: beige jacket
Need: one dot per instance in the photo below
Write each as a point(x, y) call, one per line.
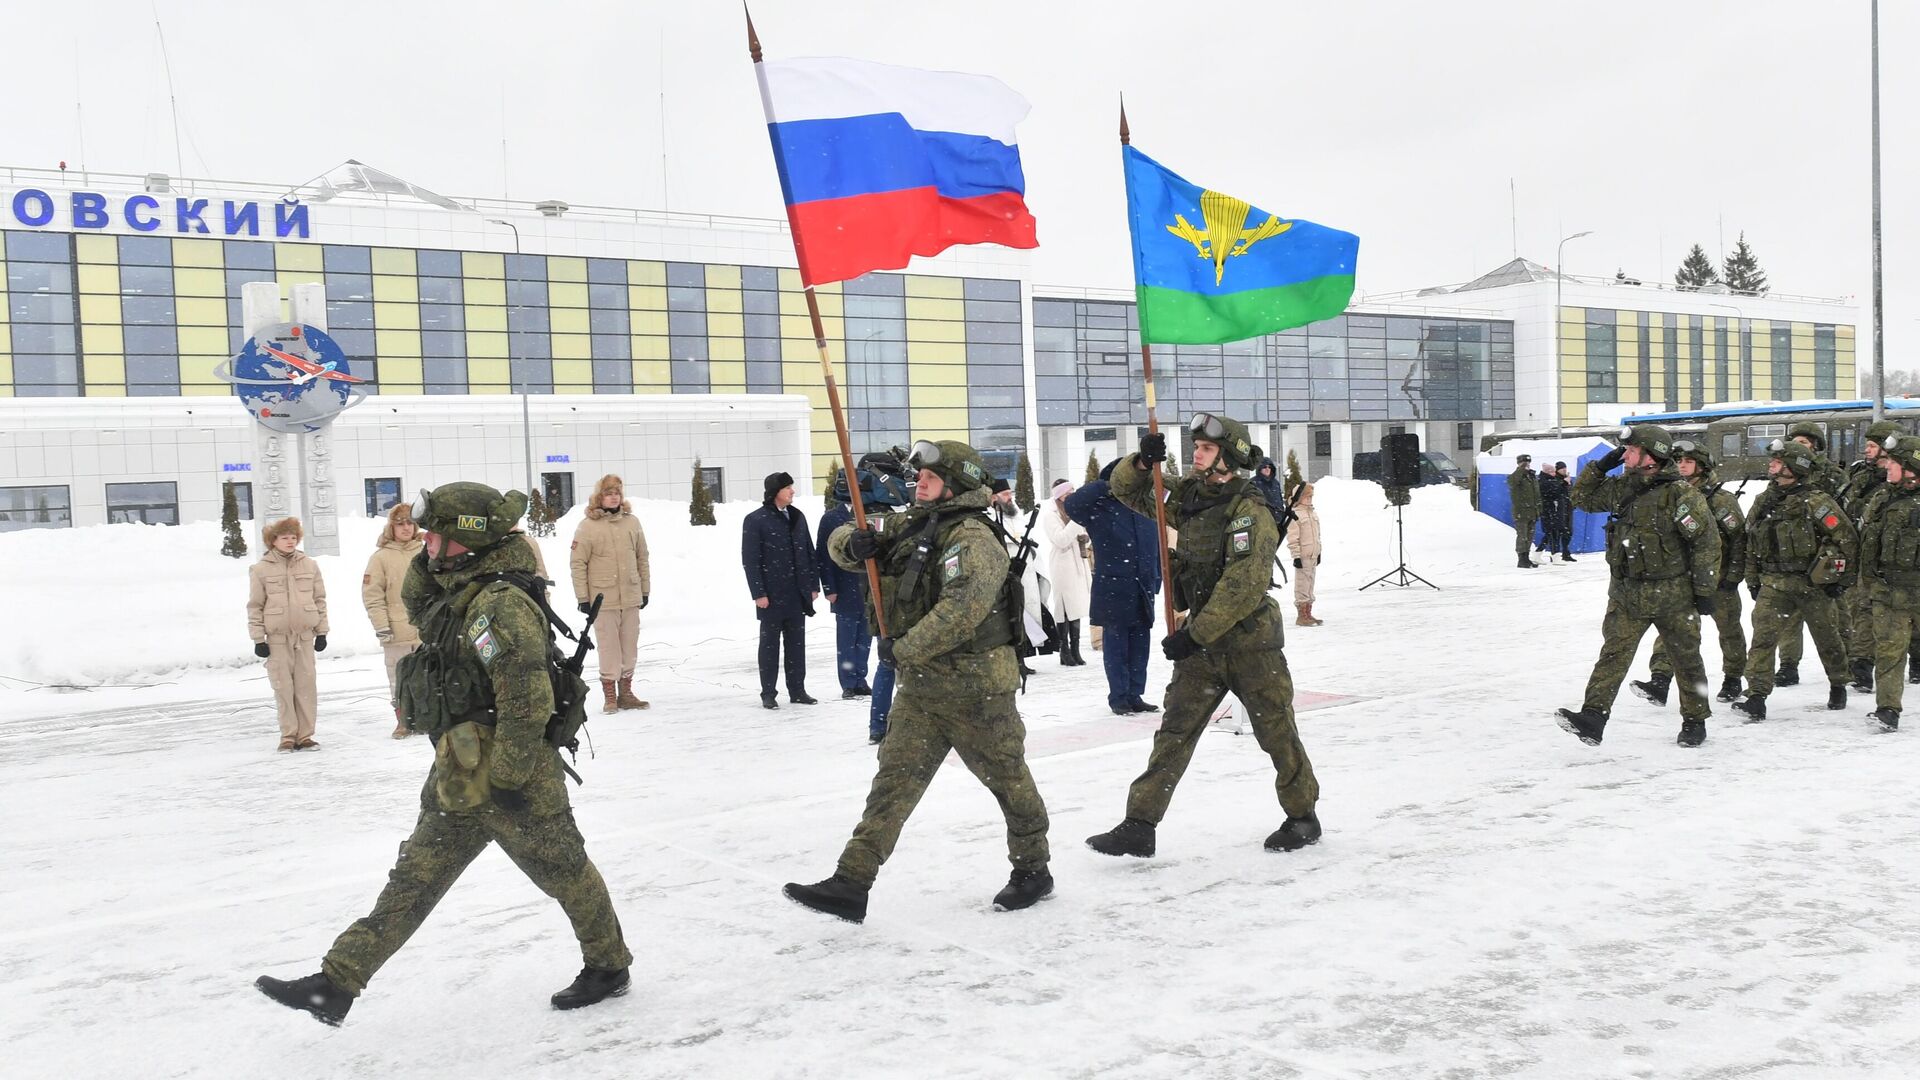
point(380, 587)
point(1303, 534)
point(286, 599)
point(610, 556)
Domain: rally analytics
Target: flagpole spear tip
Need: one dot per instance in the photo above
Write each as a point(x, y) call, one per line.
point(1125, 139)
point(753, 39)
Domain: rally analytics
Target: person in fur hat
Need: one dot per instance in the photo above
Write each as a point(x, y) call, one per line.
point(287, 618)
point(380, 594)
point(610, 559)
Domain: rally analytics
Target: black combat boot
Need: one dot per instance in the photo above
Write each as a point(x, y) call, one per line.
point(1133, 836)
point(591, 987)
point(1526, 563)
point(1913, 668)
point(836, 896)
point(767, 701)
point(1585, 723)
point(1295, 833)
point(1862, 675)
point(314, 994)
point(1567, 556)
point(1692, 732)
point(1788, 675)
point(1754, 706)
point(1889, 719)
point(1837, 697)
point(1655, 688)
point(1729, 688)
point(1024, 889)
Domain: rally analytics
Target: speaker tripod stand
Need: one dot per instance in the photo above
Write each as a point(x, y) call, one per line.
point(1400, 575)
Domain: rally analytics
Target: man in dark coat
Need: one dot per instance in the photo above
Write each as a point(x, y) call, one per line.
point(852, 640)
point(1126, 578)
point(1267, 479)
point(776, 550)
point(1556, 506)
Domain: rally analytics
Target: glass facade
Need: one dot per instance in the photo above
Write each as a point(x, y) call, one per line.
point(1355, 367)
point(916, 356)
point(1677, 361)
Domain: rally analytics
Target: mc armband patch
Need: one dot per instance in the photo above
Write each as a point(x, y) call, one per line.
point(1243, 522)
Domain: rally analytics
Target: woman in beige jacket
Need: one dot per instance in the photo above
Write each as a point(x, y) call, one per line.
point(1303, 541)
point(610, 559)
point(287, 617)
point(380, 593)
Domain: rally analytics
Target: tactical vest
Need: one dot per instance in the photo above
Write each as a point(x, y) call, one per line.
point(1207, 519)
point(442, 684)
point(1783, 536)
point(1890, 544)
point(1644, 542)
point(913, 582)
point(1862, 481)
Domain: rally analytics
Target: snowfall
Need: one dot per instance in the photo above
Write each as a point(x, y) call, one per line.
point(1492, 897)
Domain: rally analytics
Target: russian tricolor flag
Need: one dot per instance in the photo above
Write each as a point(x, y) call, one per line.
point(880, 163)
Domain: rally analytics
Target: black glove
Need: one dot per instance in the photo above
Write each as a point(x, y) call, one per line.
point(509, 798)
point(1753, 589)
point(1614, 457)
point(886, 653)
point(586, 609)
point(1834, 590)
point(1297, 566)
point(1153, 449)
point(1703, 604)
point(319, 643)
point(260, 650)
point(1316, 560)
point(643, 600)
point(1179, 645)
point(864, 544)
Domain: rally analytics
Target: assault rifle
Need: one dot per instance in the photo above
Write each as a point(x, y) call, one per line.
point(578, 661)
point(1286, 517)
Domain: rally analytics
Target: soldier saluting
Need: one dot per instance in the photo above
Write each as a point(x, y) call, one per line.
point(480, 687)
point(1663, 550)
point(1695, 464)
point(1232, 639)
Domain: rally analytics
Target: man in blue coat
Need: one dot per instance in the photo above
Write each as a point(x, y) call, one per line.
point(852, 641)
point(776, 550)
point(1126, 578)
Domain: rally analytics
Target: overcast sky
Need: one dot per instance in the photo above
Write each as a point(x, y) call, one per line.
point(1655, 124)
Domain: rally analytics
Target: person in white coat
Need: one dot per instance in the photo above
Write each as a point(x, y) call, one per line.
point(1303, 541)
point(1070, 573)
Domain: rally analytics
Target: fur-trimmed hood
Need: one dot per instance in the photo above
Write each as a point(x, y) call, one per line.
point(597, 512)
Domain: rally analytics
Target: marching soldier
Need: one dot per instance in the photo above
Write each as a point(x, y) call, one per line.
point(1664, 553)
point(1695, 465)
point(1890, 570)
point(1232, 639)
point(1864, 479)
point(943, 577)
point(1829, 478)
point(484, 695)
point(1523, 492)
point(1800, 556)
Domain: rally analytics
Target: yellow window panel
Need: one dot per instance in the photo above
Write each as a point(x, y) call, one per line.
point(723, 325)
point(797, 326)
point(646, 349)
point(728, 376)
point(572, 347)
point(831, 304)
point(6, 340)
point(289, 278)
point(727, 300)
point(399, 369)
point(827, 440)
point(291, 257)
point(484, 292)
point(393, 261)
point(6, 370)
point(489, 370)
point(388, 343)
point(396, 287)
point(572, 372)
point(652, 377)
point(646, 273)
point(202, 253)
point(488, 388)
point(575, 389)
point(105, 368)
point(935, 352)
point(1843, 332)
point(203, 340)
point(789, 280)
point(200, 282)
point(200, 311)
point(923, 285)
point(923, 330)
point(487, 318)
point(722, 277)
point(95, 248)
point(198, 371)
point(570, 321)
point(937, 397)
point(94, 339)
point(566, 294)
point(793, 303)
point(482, 264)
point(566, 268)
point(396, 316)
point(97, 389)
point(401, 389)
point(486, 343)
point(215, 390)
point(99, 308)
point(726, 348)
point(648, 322)
point(923, 308)
point(647, 297)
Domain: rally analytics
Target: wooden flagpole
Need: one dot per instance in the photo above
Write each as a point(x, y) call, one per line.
point(1153, 426)
point(826, 372)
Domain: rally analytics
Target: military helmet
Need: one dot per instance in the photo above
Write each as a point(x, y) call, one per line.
point(472, 515)
point(1812, 431)
point(1652, 438)
point(1904, 448)
point(1695, 448)
point(1878, 432)
point(1794, 456)
point(956, 464)
point(1230, 435)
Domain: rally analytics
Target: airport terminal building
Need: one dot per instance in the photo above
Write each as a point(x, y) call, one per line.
point(545, 343)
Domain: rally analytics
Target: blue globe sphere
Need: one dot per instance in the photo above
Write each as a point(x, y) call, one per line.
point(293, 378)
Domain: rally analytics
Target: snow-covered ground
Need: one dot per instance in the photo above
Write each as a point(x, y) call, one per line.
point(1492, 897)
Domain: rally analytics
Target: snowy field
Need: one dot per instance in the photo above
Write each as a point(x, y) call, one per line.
point(1492, 897)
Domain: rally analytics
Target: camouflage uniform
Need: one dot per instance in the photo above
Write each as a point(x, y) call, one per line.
point(1221, 574)
point(956, 677)
point(1523, 491)
point(1664, 553)
point(459, 816)
point(1890, 574)
point(1789, 530)
point(1725, 507)
point(1831, 479)
point(1864, 481)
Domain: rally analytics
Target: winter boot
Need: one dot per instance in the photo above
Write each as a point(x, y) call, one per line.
point(1913, 668)
point(1585, 723)
point(767, 701)
point(1889, 719)
point(314, 994)
point(1862, 675)
point(626, 700)
point(1302, 619)
point(1755, 708)
point(591, 987)
point(1133, 836)
point(1295, 833)
point(1655, 688)
point(1024, 889)
point(1729, 688)
point(612, 704)
point(400, 728)
point(1788, 675)
point(1526, 563)
point(1837, 697)
point(836, 896)
point(288, 743)
point(1692, 732)
point(1567, 556)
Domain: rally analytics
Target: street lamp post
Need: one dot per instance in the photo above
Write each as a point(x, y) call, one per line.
point(1879, 355)
point(526, 409)
point(1559, 277)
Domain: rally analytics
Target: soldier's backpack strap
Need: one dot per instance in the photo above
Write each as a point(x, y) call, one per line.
point(535, 587)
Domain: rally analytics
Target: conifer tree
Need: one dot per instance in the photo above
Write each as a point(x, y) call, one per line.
point(1696, 270)
point(1294, 479)
point(232, 544)
point(700, 511)
point(833, 477)
point(540, 516)
point(1023, 484)
point(1742, 270)
point(1093, 467)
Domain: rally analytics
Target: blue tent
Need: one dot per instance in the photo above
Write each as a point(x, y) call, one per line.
point(1589, 530)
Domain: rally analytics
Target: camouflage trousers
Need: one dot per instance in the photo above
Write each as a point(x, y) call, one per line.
point(1896, 628)
point(1523, 534)
point(1632, 607)
point(991, 741)
point(1857, 622)
point(1256, 673)
point(547, 848)
point(1785, 601)
point(1733, 637)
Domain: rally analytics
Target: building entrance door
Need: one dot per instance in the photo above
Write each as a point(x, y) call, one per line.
point(557, 489)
